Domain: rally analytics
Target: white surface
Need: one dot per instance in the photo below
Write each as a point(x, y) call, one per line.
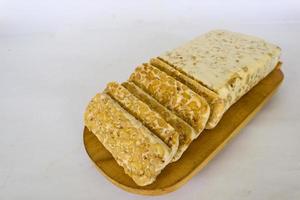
point(55, 55)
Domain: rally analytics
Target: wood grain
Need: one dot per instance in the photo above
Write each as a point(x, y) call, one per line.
point(200, 152)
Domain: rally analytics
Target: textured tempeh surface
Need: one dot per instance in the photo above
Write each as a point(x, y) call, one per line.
point(174, 95)
point(217, 105)
point(141, 153)
point(150, 120)
point(186, 132)
point(226, 62)
point(140, 110)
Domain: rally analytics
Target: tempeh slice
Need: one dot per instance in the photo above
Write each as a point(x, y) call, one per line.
point(141, 111)
point(217, 105)
point(141, 153)
point(174, 95)
point(186, 132)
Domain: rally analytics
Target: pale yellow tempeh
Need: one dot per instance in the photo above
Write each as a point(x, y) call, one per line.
point(186, 132)
point(217, 105)
point(141, 153)
point(174, 95)
point(226, 62)
point(141, 111)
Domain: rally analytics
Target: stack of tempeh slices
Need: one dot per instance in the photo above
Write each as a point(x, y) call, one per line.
point(150, 120)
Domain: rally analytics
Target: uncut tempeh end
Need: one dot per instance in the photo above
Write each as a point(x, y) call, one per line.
point(141, 153)
point(141, 111)
point(217, 104)
point(186, 132)
point(227, 63)
point(174, 95)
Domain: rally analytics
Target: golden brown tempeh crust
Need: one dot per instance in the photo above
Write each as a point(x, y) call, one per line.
point(216, 103)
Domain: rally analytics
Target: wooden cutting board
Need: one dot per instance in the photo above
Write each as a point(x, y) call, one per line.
point(199, 153)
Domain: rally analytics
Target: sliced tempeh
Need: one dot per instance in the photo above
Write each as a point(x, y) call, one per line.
point(186, 132)
point(174, 95)
point(141, 153)
point(141, 111)
point(217, 105)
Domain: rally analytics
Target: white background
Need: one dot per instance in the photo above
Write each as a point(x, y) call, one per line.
point(55, 55)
